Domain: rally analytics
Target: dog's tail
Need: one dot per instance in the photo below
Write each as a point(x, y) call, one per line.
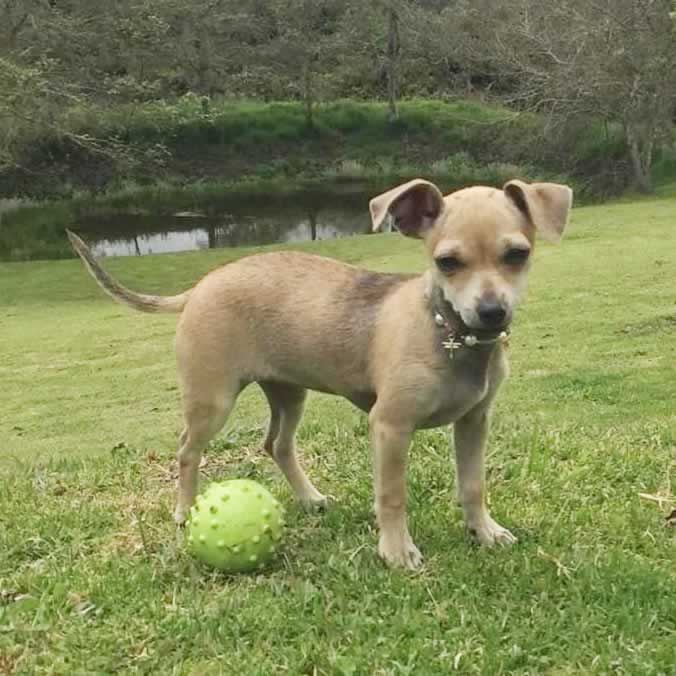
point(138, 301)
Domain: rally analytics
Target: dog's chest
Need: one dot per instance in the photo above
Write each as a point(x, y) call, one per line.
point(465, 385)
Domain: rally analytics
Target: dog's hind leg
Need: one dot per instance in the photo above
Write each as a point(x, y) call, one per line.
point(286, 405)
point(274, 424)
point(203, 420)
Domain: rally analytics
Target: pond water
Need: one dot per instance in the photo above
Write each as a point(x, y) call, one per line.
point(182, 222)
point(228, 222)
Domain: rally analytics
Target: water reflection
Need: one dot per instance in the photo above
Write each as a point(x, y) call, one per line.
point(161, 242)
point(248, 222)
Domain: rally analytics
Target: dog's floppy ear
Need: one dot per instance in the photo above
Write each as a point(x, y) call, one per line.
point(414, 206)
point(546, 205)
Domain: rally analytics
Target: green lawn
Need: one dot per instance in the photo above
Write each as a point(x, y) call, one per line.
point(92, 579)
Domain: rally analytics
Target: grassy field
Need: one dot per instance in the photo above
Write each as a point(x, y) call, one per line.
point(92, 579)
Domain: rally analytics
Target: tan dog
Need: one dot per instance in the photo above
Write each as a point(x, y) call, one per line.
point(412, 351)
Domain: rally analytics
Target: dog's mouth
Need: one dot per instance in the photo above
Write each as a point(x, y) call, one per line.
point(480, 329)
point(487, 329)
point(448, 317)
point(486, 334)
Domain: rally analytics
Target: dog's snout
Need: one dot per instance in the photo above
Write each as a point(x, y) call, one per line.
point(491, 312)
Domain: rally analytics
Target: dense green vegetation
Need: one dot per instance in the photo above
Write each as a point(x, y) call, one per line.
point(97, 93)
point(93, 580)
point(457, 142)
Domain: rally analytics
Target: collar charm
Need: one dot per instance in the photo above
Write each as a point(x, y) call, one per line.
point(454, 342)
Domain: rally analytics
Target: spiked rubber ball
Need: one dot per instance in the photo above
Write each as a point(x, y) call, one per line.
point(235, 526)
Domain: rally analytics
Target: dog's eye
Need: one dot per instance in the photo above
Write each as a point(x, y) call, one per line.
point(516, 256)
point(448, 264)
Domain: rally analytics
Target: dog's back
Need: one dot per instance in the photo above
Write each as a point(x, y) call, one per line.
point(290, 317)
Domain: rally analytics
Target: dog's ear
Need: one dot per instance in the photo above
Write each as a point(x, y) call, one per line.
point(546, 205)
point(414, 206)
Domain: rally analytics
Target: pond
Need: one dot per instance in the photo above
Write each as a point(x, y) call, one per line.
point(224, 220)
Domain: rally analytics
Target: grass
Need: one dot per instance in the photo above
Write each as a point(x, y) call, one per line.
point(93, 581)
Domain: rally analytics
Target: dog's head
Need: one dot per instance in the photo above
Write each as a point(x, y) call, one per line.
point(480, 239)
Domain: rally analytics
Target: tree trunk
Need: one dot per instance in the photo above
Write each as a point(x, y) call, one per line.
point(203, 60)
point(308, 94)
point(13, 33)
point(641, 155)
point(312, 220)
point(393, 51)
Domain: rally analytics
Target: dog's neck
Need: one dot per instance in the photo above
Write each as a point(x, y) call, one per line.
point(458, 334)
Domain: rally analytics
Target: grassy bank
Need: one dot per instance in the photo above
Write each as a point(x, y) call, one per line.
point(92, 578)
point(249, 142)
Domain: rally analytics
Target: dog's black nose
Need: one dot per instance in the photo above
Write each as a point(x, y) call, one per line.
point(491, 313)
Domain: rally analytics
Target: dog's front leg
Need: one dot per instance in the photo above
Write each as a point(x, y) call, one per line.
point(390, 445)
point(471, 433)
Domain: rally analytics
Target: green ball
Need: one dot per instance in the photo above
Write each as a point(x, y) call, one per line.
point(235, 526)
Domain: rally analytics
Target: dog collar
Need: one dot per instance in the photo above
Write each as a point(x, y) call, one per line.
point(457, 338)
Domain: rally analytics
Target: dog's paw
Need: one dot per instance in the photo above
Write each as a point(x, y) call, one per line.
point(180, 516)
point(399, 552)
point(488, 532)
point(314, 503)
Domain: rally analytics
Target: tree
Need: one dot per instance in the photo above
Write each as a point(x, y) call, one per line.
point(305, 46)
point(15, 16)
point(610, 60)
point(383, 49)
point(393, 55)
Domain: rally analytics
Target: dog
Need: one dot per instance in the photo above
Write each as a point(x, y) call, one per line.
point(413, 351)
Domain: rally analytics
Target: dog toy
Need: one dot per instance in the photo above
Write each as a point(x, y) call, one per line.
point(235, 526)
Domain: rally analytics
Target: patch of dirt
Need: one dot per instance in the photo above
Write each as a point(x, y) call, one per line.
point(8, 663)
